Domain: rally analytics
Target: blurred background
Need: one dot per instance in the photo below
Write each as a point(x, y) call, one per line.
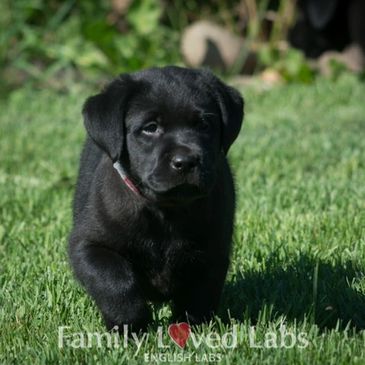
point(55, 43)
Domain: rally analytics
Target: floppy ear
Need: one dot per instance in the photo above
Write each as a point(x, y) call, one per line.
point(231, 106)
point(104, 116)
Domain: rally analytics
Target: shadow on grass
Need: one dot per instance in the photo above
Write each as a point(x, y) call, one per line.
point(291, 289)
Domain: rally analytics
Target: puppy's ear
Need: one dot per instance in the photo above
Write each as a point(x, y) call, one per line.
point(104, 116)
point(231, 105)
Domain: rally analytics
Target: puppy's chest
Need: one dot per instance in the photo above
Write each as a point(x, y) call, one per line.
point(167, 248)
point(166, 263)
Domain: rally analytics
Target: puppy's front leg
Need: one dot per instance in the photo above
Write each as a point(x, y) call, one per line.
point(113, 284)
point(197, 298)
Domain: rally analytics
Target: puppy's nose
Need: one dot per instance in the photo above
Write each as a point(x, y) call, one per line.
point(181, 162)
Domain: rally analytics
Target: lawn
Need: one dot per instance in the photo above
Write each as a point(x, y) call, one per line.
point(298, 263)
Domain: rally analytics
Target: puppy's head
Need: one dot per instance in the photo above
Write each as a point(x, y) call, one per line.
point(169, 127)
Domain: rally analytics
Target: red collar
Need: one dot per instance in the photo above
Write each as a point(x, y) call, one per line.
point(117, 165)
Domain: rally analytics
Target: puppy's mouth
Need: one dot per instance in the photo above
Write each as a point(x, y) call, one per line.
point(176, 195)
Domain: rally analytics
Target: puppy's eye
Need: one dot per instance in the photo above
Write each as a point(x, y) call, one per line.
point(151, 128)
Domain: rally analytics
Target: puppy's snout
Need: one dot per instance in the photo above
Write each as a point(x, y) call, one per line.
point(184, 161)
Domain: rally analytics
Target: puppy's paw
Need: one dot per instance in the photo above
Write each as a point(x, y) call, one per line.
point(131, 322)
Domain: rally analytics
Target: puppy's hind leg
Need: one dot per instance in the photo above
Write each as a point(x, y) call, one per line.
point(112, 283)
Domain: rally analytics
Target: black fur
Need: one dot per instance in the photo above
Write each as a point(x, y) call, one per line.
point(170, 128)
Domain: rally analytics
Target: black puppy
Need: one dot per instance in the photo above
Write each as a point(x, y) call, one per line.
point(154, 204)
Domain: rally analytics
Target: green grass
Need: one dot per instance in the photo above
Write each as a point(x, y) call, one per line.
point(299, 243)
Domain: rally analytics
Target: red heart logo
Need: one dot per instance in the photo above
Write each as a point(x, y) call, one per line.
point(179, 333)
